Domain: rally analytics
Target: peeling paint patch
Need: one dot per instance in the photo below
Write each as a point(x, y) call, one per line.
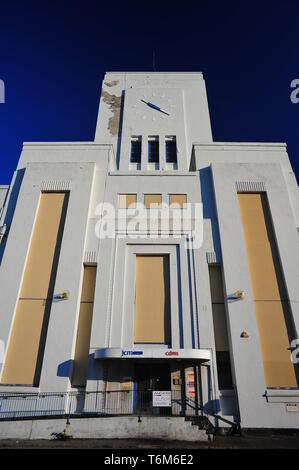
point(112, 83)
point(114, 103)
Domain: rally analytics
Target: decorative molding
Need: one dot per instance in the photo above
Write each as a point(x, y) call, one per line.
point(250, 186)
point(55, 185)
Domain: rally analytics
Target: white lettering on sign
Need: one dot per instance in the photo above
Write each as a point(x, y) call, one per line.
point(162, 398)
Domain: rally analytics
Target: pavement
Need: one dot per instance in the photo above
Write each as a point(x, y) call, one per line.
point(247, 441)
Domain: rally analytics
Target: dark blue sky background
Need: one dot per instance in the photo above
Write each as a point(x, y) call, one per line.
point(53, 55)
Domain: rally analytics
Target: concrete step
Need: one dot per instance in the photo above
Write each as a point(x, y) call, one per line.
point(117, 427)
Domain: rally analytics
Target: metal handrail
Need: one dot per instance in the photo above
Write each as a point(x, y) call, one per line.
point(234, 425)
point(99, 403)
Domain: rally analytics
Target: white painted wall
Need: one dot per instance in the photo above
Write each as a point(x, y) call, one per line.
point(90, 170)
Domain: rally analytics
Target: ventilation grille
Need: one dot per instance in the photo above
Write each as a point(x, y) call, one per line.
point(55, 185)
point(90, 257)
point(212, 257)
point(250, 186)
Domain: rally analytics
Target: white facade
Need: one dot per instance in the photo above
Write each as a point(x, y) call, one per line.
point(207, 172)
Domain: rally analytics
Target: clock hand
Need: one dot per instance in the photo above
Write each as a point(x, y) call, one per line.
point(151, 105)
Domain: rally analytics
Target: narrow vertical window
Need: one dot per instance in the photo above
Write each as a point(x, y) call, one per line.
point(220, 328)
point(170, 149)
point(135, 156)
point(178, 201)
point(152, 201)
point(25, 353)
point(80, 368)
point(153, 149)
point(127, 201)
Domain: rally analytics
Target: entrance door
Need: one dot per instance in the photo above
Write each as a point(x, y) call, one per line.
point(151, 377)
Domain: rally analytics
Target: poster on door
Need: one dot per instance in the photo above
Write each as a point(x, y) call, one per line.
point(161, 398)
point(190, 384)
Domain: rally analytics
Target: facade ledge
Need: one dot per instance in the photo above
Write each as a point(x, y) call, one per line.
point(282, 393)
point(153, 173)
point(264, 146)
point(64, 145)
point(22, 389)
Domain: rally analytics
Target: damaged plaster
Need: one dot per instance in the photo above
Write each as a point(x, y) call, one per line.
point(114, 103)
point(112, 83)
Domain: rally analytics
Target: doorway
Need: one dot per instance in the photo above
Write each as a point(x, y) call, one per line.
point(151, 377)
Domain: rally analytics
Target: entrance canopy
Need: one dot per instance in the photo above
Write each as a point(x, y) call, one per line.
point(153, 353)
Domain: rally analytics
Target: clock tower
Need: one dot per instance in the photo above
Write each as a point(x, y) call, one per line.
point(154, 105)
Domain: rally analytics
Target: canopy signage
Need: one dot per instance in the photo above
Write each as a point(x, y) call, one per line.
point(152, 353)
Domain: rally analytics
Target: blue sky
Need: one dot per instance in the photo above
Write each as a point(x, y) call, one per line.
point(53, 55)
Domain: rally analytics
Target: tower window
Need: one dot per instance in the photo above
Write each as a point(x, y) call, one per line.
point(152, 201)
point(170, 149)
point(178, 201)
point(153, 149)
point(127, 201)
point(135, 156)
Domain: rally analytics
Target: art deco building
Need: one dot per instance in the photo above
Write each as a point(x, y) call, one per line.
point(209, 316)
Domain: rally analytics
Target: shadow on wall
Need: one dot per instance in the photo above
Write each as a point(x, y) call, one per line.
point(120, 129)
point(180, 305)
point(11, 205)
point(65, 369)
point(209, 207)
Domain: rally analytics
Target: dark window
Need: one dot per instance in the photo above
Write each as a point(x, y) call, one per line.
point(224, 370)
point(170, 150)
point(153, 150)
point(135, 151)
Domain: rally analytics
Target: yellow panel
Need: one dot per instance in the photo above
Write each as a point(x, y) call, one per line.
point(271, 306)
point(279, 369)
point(80, 368)
point(89, 280)
point(82, 345)
point(26, 345)
point(267, 283)
point(22, 355)
point(42, 247)
point(154, 200)
point(180, 200)
point(127, 201)
point(152, 302)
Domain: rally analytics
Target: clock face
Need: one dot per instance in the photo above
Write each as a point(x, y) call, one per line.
point(154, 106)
